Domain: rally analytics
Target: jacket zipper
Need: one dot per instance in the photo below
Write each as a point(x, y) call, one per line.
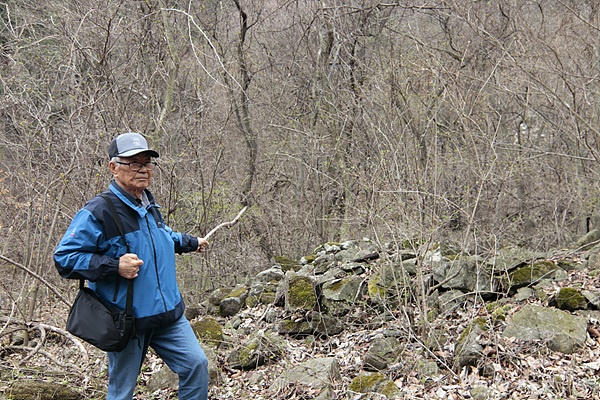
point(156, 264)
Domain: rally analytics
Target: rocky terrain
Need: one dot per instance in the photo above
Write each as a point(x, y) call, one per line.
point(354, 320)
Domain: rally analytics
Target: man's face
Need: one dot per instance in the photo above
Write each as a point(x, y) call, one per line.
point(134, 182)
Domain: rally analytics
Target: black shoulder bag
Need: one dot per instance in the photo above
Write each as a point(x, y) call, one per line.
point(99, 324)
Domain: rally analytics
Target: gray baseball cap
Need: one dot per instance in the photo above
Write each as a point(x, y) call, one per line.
point(128, 145)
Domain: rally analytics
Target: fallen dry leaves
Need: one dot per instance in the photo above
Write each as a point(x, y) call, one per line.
point(508, 369)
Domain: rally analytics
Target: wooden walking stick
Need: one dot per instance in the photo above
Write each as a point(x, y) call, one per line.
point(226, 224)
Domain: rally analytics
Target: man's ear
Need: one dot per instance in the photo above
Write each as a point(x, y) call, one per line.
point(112, 166)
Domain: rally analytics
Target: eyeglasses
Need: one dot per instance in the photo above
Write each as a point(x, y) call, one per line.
point(136, 166)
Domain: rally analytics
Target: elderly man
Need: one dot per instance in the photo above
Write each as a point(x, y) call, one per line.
point(93, 249)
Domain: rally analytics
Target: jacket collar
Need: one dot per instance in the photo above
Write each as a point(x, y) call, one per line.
point(132, 201)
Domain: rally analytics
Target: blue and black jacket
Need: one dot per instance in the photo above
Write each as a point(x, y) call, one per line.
point(91, 247)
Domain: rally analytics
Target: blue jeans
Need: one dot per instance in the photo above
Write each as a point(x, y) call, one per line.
point(177, 345)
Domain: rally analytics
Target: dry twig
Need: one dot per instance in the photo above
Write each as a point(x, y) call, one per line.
point(43, 328)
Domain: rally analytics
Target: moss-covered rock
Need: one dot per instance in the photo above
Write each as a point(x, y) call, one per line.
point(239, 291)
point(570, 299)
point(262, 293)
point(300, 293)
point(295, 327)
point(376, 289)
point(286, 263)
point(498, 311)
point(375, 382)
point(366, 383)
point(308, 259)
point(390, 283)
point(217, 295)
point(328, 247)
point(257, 351)
point(339, 295)
point(267, 296)
point(531, 273)
point(40, 390)
point(208, 330)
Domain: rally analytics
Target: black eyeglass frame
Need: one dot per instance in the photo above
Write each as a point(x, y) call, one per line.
point(137, 166)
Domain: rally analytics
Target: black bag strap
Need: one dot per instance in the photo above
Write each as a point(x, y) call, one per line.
point(115, 215)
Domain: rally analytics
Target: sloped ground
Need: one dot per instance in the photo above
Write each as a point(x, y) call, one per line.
point(512, 370)
point(507, 370)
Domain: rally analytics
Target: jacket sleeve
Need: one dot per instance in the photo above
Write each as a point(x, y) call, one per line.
point(80, 253)
point(189, 243)
point(184, 243)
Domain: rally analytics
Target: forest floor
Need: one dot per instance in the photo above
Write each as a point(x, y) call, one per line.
point(507, 370)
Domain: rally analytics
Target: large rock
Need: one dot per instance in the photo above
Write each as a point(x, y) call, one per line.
point(317, 372)
point(258, 350)
point(466, 273)
point(215, 298)
point(230, 306)
point(509, 258)
point(593, 262)
point(273, 274)
point(325, 325)
point(592, 296)
point(339, 296)
point(390, 282)
point(295, 327)
point(563, 332)
point(374, 383)
point(233, 302)
point(208, 330)
point(300, 292)
point(589, 240)
point(313, 323)
point(532, 273)
point(264, 286)
point(468, 351)
point(382, 353)
point(451, 300)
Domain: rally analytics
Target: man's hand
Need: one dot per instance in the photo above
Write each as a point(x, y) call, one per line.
point(202, 244)
point(129, 265)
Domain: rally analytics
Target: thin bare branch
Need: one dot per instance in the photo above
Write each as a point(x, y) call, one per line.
point(36, 276)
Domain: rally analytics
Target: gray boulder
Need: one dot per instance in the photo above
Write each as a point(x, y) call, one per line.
point(317, 372)
point(338, 296)
point(258, 350)
point(563, 332)
point(382, 353)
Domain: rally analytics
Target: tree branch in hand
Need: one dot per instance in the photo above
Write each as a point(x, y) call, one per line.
point(226, 224)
